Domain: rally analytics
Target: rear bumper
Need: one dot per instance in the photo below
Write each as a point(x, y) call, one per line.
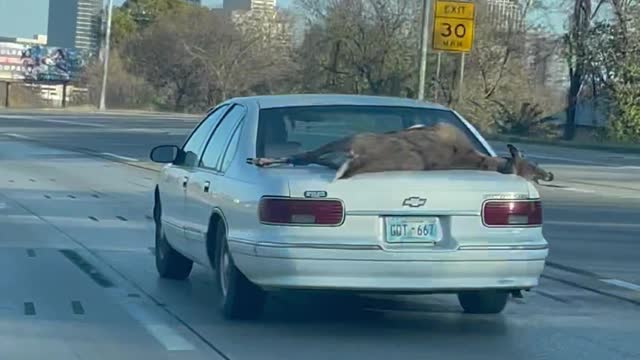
point(379, 270)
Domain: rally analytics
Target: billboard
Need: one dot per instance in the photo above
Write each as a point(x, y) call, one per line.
point(36, 63)
point(51, 64)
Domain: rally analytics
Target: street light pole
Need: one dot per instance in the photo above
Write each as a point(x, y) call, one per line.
point(423, 49)
point(106, 57)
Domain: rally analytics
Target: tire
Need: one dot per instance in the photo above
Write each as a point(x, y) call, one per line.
point(483, 302)
point(239, 297)
point(169, 262)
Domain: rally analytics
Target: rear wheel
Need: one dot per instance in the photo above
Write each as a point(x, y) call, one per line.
point(239, 297)
point(169, 262)
point(483, 302)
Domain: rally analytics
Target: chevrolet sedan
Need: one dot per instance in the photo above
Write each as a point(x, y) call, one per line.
point(477, 234)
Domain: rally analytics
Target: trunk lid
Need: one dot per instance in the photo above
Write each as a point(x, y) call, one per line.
point(435, 192)
point(392, 209)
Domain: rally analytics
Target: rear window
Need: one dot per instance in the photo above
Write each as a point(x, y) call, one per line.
point(291, 130)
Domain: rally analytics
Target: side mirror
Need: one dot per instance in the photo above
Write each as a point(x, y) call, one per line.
point(164, 154)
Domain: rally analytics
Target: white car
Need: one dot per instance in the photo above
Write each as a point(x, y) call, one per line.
point(474, 233)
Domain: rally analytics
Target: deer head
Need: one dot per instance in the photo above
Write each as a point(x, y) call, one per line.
point(527, 169)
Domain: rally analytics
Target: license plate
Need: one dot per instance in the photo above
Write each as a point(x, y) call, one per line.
point(411, 229)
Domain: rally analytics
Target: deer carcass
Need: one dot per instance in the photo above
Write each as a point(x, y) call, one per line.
point(437, 147)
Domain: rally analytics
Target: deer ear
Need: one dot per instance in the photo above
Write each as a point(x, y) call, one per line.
point(515, 153)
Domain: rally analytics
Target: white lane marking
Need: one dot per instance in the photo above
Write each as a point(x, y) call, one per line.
point(68, 122)
point(585, 223)
point(167, 336)
point(564, 159)
point(154, 131)
point(623, 284)
point(577, 190)
point(119, 157)
point(17, 136)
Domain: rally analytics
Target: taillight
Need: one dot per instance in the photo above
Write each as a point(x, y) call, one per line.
point(513, 213)
point(300, 211)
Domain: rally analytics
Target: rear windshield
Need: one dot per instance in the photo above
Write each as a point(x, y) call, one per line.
point(291, 130)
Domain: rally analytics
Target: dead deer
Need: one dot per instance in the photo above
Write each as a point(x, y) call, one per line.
point(437, 147)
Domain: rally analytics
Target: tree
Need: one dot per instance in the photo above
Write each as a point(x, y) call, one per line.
point(614, 57)
point(159, 56)
point(498, 81)
point(133, 16)
point(577, 55)
point(125, 90)
point(361, 46)
point(194, 67)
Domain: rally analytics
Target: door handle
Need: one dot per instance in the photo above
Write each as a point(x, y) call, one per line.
point(185, 180)
point(207, 185)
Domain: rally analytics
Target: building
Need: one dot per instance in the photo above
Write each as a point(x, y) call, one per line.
point(264, 5)
point(503, 15)
point(545, 62)
point(194, 2)
point(75, 24)
point(261, 18)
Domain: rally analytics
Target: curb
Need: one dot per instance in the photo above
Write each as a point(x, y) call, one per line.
point(616, 148)
point(93, 112)
point(589, 281)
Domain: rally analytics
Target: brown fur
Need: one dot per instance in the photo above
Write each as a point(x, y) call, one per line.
point(437, 147)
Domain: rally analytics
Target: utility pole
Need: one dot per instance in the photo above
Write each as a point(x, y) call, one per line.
point(106, 57)
point(435, 95)
point(423, 49)
point(461, 85)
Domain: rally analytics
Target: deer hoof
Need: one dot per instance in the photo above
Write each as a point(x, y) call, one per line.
point(342, 170)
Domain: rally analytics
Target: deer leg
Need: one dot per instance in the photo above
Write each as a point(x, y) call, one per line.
point(341, 145)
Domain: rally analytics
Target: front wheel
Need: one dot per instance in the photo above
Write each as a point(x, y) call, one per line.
point(169, 262)
point(239, 297)
point(483, 302)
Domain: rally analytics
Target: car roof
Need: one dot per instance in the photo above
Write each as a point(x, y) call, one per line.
point(276, 101)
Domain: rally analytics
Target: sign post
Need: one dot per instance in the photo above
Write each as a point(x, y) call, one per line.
point(422, 76)
point(435, 93)
point(461, 86)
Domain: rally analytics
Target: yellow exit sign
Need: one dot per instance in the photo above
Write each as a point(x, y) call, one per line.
point(453, 26)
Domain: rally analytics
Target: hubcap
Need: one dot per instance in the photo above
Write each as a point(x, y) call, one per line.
point(224, 269)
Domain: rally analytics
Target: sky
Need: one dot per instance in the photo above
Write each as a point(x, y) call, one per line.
point(25, 18)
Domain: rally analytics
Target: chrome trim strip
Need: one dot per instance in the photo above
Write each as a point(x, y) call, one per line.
point(377, 247)
point(192, 230)
point(504, 247)
point(243, 242)
point(412, 213)
point(319, 246)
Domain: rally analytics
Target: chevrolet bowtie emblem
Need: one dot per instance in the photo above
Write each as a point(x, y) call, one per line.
point(414, 202)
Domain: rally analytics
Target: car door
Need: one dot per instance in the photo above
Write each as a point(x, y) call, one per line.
point(204, 186)
point(176, 179)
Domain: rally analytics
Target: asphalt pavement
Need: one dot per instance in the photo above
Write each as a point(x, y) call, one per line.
point(77, 276)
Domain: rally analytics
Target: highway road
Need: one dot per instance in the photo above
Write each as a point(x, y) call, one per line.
point(77, 275)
